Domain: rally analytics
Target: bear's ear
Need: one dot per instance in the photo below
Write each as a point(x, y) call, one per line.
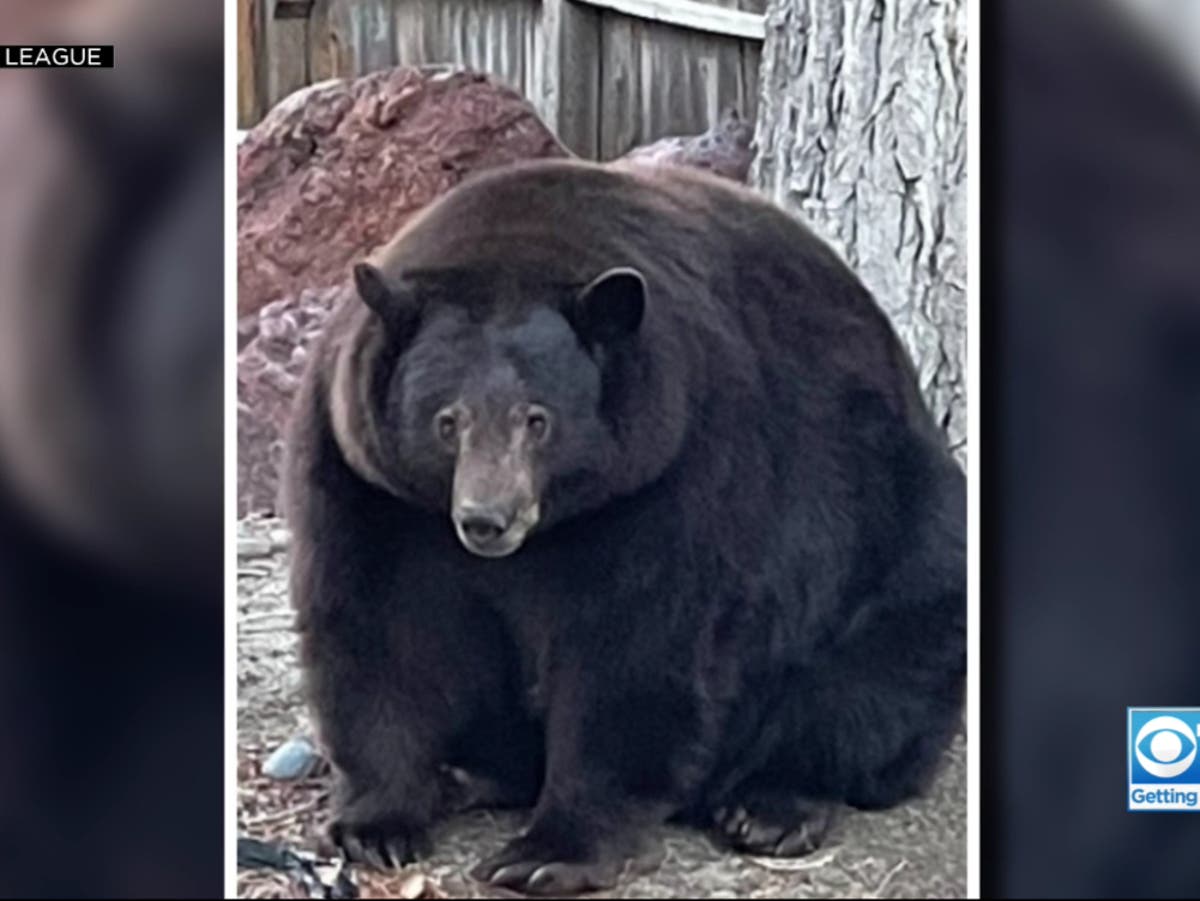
point(610, 307)
point(396, 304)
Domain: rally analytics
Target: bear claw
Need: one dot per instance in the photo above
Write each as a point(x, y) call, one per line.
point(383, 845)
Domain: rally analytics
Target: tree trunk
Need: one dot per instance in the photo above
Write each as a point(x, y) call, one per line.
point(862, 133)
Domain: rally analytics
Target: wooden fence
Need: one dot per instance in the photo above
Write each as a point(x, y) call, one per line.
point(606, 75)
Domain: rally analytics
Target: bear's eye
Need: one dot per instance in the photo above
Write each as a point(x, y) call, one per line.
point(445, 424)
point(537, 420)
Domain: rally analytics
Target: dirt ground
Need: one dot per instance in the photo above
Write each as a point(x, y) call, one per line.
point(916, 851)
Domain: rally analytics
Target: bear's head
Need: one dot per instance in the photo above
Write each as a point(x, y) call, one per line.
point(491, 396)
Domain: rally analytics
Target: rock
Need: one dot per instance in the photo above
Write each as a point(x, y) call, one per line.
point(296, 758)
point(253, 547)
point(726, 149)
point(268, 374)
point(336, 168)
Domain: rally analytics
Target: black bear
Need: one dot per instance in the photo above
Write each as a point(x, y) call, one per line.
point(614, 495)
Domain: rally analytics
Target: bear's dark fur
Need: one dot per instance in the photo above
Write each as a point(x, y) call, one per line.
point(727, 583)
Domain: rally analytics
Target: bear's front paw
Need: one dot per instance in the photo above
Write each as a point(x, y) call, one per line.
point(775, 826)
point(541, 867)
point(383, 842)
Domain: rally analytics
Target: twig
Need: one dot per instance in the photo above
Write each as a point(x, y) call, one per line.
point(264, 614)
point(268, 630)
point(281, 815)
point(878, 893)
point(793, 866)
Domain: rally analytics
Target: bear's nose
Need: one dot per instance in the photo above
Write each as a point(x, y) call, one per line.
point(482, 525)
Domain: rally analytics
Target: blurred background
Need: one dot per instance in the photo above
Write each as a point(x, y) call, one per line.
point(111, 744)
point(1090, 435)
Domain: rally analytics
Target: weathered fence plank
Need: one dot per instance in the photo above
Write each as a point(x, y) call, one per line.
point(286, 56)
point(622, 89)
point(322, 51)
point(568, 93)
point(250, 106)
point(369, 25)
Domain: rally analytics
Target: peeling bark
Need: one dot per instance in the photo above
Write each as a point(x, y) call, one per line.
point(862, 133)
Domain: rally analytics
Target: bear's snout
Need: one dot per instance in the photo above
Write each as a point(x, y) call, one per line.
point(494, 506)
point(493, 530)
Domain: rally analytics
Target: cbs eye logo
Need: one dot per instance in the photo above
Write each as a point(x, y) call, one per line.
point(1165, 747)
